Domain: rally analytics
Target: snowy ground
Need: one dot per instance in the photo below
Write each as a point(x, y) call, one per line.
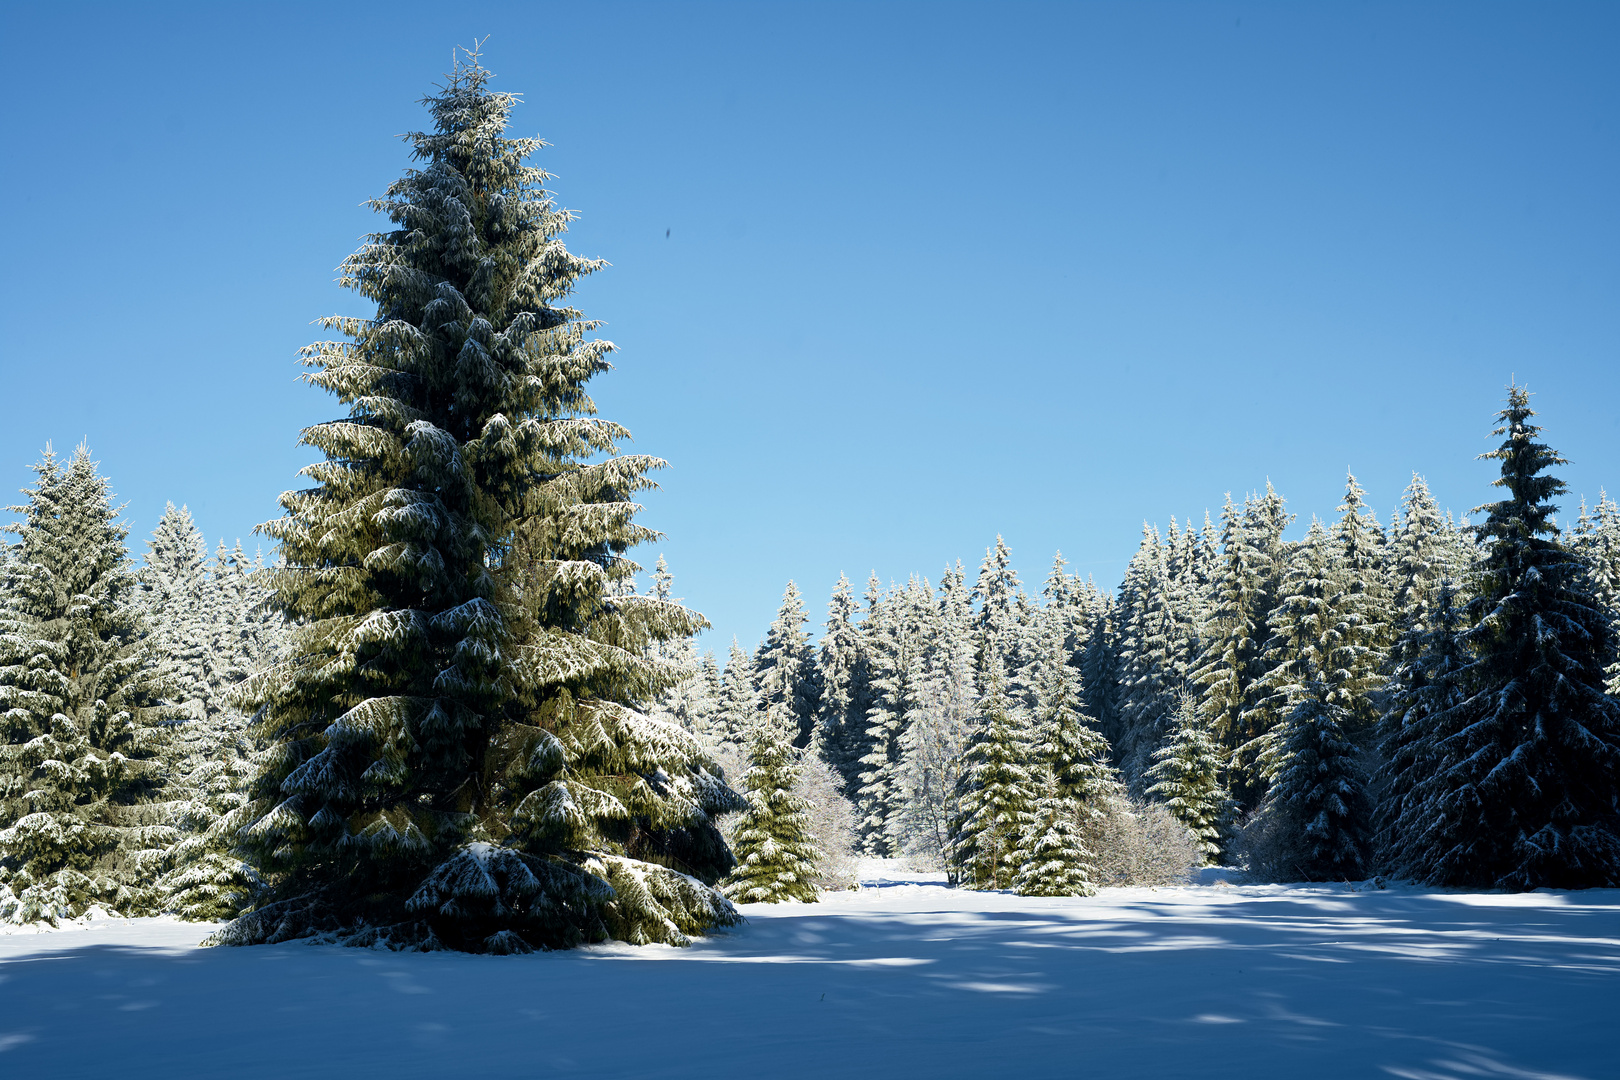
point(905, 978)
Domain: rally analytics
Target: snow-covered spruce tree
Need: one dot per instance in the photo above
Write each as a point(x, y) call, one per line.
point(998, 592)
point(1071, 775)
point(458, 759)
point(1527, 787)
point(1154, 658)
point(1420, 555)
point(1364, 609)
point(785, 670)
point(1062, 611)
point(1186, 775)
point(683, 703)
point(944, 705)
point(1265, 518)
point(998, 788)
point(1052, 856)
point(703, 717)
point(216, 633)
point(1207, 570)
point(776, 852)
point(1319, 797)
point(1100, 664)
point(1064, 738)
point(841, 711)
point(1305, 631)
point(177, 596)
point(1597, 541)
point(739, 701)
point(1234, 637)
point(81, 724)
point(246, 636)
point(900, 629)
point(248, 632)
point(1423, 695)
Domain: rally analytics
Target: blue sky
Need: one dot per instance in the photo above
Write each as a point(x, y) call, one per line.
point(932, 273)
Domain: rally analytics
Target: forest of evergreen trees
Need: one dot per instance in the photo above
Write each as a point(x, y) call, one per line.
point(1429, 700)
point(442, 716)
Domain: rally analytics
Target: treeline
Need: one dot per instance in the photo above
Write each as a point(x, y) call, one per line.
point(123, 754)
point(1429, 699)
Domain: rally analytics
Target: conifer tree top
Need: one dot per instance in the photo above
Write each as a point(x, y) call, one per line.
point(1527, 512)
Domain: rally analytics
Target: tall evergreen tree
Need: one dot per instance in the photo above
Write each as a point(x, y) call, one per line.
point(179, 604)
point(246, 633)
point(785, 670)
point(1320, 791)
point(80, 716)
point(943, 707)
point(1155, 652)
point(1064, 739)
point(1306, 632)
point(739, 701)
point(458, 754)
point(214, 758)
point(997, 593)
point(1598, 543)
point(896, 636)
point(1186, 774)
point(1527, 787)
point(999, 789)
point(1100, 664)
point(704, 708)
point(776, 852)
point(1420, 555)
point(1363, 610)
point(841, 710)
point(1425, 691)
point(1230, 662)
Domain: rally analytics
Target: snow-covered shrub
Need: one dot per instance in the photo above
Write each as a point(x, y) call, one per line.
point(1265, 847)
point(1138, 843)
point(832, 820)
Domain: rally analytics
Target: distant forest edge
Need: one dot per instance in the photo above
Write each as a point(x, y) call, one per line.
point(443, 717)
point(1427, 700)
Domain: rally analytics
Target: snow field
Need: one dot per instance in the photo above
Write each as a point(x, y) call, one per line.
point(904, 978)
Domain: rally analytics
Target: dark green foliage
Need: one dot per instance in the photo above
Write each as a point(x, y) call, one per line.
point(457, 753)
point(1052, 856)
point(1186, 775)
point(1230, 661)
point(844, 678)
point(784, 670)
point(1526, 768)
point(1065, 739)
point(1155, 646)
point(1425, 690)
point(998, 790)
point(776, 854)
point(1597, 541)
point(1320, 794)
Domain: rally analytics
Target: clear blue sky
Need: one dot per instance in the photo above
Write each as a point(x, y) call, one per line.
point(933, 272)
